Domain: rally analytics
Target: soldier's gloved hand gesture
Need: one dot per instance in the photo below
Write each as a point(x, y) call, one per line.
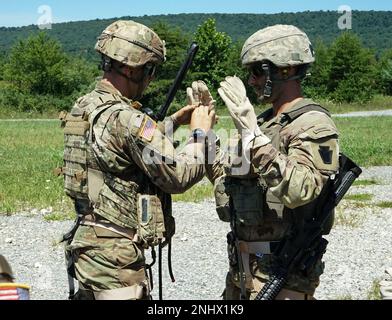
point(233, 93)
point(199, 94)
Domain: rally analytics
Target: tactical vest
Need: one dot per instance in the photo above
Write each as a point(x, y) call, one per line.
point(258, 214)
point(128, 198)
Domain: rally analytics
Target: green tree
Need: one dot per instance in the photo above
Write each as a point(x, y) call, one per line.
point(38, 65)
point(384, 73)
point(213, 56)
point(177, 44)
point(2, 64)
point(352, 75)
point(233, 66)
point(316, 85)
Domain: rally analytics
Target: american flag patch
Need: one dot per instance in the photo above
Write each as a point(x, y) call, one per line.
point(148, 128)
point(13, 291)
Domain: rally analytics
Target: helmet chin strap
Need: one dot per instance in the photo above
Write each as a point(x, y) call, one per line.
point(270, 80)
point(268, 83)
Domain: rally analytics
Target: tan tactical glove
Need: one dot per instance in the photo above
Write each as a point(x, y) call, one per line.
point(199, 95)
point(233, 93)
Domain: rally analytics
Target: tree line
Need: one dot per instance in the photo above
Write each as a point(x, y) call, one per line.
point(373, 27)
point(37, 74)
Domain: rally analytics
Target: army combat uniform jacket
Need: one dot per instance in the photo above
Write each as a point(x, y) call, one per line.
point(119, 169)
point(282, 186)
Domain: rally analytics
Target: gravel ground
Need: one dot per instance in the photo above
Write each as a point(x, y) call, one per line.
point(356, 256)
point(378, 113)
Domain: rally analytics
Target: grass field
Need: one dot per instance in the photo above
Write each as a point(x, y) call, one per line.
point(30, 150)
point(366, 140)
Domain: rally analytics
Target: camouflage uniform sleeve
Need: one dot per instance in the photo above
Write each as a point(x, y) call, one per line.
point(215, 160)
point(154, 153)
point(312, 156)
point(168, 124)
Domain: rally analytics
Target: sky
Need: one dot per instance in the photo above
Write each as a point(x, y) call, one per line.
point(21, 12)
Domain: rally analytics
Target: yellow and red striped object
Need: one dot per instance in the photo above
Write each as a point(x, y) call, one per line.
point(14, 291)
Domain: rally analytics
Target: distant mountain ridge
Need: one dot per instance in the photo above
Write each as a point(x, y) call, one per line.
point(373, 27)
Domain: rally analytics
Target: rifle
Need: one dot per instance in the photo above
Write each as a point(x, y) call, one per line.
point(161, 114)
point(306, 246)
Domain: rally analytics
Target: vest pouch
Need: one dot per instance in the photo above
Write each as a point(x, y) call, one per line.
point(151, 225)
point(222, 200)
point(248, 200)
point(75, 158)
point(117, 202)
point(275, 208)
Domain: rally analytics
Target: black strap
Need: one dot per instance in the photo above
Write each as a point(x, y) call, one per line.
point(265, 115)
point(292, 115)
point(71, 284)
point(169, 262)
point(160, 270)
point(149, 267)
point(68, 259)
point(234, 239)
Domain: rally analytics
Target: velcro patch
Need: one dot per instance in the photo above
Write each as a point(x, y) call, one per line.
point(147, 129)
point(138, 121)
point(326, 154)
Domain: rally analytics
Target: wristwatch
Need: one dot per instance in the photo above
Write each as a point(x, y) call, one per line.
point(198, 135)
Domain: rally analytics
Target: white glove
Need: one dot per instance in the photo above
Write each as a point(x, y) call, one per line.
point(200, 95)
point(233, 93)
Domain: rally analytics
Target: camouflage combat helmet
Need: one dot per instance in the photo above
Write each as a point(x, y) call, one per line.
point(131, 43)
point(5, 268)
point(283, 45)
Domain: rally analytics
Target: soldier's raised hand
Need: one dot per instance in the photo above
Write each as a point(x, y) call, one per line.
point(233, 93)
point(199, 94)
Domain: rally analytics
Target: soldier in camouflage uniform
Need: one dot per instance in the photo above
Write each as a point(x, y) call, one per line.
point(271, 179)
point(120, 167)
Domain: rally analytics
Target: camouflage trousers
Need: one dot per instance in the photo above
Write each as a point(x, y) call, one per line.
point(107, 265)
point(297, 287)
